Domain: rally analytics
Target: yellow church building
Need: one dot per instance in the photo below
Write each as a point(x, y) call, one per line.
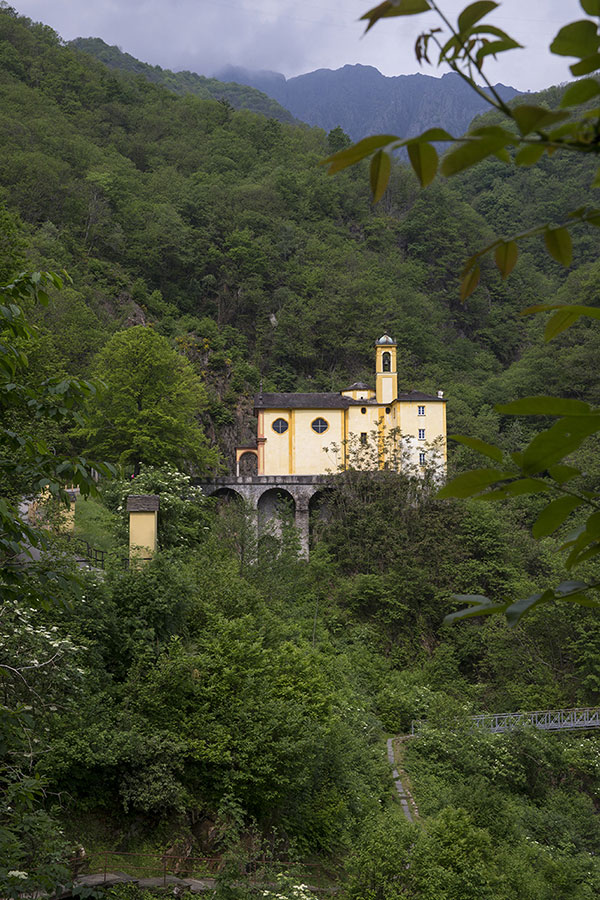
point(317, 433)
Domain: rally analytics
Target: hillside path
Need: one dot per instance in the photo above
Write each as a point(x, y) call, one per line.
point(404, 796)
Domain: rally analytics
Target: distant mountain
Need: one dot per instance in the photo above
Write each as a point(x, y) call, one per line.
point(241, 95)
point(363, 101)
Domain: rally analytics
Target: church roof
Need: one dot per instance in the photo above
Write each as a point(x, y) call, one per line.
point(328, 400)
point(419, 396)
point(386, 339)
point(331, 400)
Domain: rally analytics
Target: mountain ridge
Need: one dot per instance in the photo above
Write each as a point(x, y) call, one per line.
point(362, 101)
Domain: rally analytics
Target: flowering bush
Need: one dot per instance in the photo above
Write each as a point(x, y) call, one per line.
point(183, 518)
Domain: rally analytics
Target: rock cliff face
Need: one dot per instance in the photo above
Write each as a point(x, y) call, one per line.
point(363, 101)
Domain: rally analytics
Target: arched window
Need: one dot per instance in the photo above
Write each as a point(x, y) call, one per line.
point(387, 362)
point(319, 425)
point(280, 426)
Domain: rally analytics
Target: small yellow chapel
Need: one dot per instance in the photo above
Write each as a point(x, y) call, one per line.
point(309, 434)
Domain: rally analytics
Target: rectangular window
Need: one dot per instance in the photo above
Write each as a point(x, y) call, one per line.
point(421, 434)
point(421, 458)
point(421, 410)
point(363, 437)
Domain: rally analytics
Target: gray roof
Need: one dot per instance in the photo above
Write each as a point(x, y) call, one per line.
point(331, 400)
point(419, 397)
point(143, 502)
point(358, 386)
point(386, 339)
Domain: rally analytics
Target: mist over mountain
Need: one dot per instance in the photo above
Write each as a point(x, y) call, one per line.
point(240, 95)
point(363, 101)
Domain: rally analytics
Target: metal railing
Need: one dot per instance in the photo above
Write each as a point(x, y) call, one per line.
point(94, 556)
point(544, 720)
point(168, 867)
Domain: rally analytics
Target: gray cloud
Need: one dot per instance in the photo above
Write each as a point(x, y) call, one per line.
point(204, 35)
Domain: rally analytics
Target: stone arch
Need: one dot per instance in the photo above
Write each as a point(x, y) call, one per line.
point(319, 508)
point(226, 495)
point(272, 505)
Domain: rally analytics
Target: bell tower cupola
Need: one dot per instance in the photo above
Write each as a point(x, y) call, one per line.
point(386, 382)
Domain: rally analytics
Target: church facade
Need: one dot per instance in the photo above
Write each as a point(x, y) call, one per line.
point(321, 433)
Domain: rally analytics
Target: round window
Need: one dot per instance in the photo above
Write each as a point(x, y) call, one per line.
point(280, 426)
point(363, 410)
point(319, 425)
point(387, 410)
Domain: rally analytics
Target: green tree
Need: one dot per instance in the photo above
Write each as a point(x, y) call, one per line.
point(31, 846)
point(148, 411)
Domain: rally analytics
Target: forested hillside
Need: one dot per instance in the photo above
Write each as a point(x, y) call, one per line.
point(229, 699)
point(240, 96)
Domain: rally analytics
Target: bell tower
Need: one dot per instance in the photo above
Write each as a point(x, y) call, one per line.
point(386, 381)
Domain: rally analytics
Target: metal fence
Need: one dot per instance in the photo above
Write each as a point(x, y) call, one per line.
point(170, 868)
point(544, 720)
point(94, 557)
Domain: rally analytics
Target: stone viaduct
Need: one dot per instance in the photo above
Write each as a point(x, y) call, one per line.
point(263, 493)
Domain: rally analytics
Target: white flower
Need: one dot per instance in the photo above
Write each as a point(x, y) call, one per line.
point(16, 874)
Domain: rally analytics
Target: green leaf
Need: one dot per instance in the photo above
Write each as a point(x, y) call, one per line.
point(503, 155)
point(559, 322)
point(559, 245)
point(544, 406)
point(492, 131)
point(576, 39)
point(469, 282)
point(570, 587)
point(391, 8)
point(562, 473)
point(533, 118)
point(474, 12)
point(588, 64)
point(580, 92)
point(494, 47)
point(479, 446)
point(593, 312)
point(381, 166)
point(480, 606)
point(591, 7)
point(506, 257)
point(553, 515)
point(551, 446)
point(469, 483)
point(583, 557)
point(471, 152)
point(516, 611)
point(424, 160)
point(517, 488)
point(356, 152)
point(433, 134)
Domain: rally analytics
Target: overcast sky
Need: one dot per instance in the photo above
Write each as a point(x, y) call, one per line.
point(291, 37)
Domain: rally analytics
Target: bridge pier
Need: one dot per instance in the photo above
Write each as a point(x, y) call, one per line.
point(263, 492)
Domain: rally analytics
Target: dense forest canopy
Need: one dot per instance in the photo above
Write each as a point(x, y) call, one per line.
point(230, 698)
